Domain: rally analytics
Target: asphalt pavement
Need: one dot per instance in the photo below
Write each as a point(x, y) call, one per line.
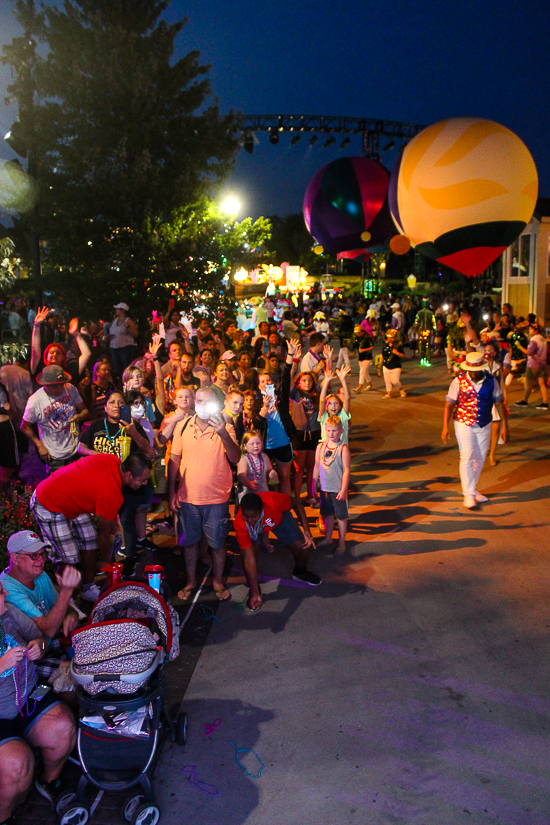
point(411, 687)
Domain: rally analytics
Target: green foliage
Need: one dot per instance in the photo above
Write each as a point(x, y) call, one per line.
point(8, 263)
point(14, 515)
point(124, 139)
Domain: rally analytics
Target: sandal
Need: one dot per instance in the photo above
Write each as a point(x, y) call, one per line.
point(150, 528)
point(186, 592)
point(222, 595)
point(253, 609)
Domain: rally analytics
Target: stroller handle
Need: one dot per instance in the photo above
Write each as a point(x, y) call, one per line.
point(129, 678)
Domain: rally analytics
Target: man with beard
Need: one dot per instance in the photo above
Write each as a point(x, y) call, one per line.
point(65, 503)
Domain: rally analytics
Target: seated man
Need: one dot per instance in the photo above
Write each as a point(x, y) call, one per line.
point(45, 722)
point(32, 592)
point(271, 511)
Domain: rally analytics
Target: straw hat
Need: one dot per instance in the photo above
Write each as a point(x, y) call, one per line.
point(474, 362)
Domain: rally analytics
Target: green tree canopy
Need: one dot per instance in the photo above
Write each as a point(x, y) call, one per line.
point(125, 139)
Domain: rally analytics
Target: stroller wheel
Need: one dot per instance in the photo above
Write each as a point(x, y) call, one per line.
point(62, 802)
point(181, 729)
point(74, 815)
point(130, 806)
point(146, 814)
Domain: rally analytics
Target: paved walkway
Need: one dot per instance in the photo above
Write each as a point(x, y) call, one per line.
point(412, 686)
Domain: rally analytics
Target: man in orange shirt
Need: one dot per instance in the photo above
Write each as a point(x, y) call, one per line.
point(199, 462)
point(265, 512)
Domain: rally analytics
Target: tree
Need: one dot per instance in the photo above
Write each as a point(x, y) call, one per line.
point(124, 140)
point(290, 241)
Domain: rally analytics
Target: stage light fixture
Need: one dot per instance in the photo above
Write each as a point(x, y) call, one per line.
point(345, 143)
point(295, 140)
point(273, 136)
point(389, 146)
point(313, 140)
point(330, 141)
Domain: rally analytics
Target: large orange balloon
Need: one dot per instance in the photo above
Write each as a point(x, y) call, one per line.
point(463, 190)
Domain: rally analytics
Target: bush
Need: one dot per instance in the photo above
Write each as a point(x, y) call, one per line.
point(15, 514)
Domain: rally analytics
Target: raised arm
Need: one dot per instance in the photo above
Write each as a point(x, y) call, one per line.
point(342, 373)
point(36, 343)
point(85, 351)
point(329, 375)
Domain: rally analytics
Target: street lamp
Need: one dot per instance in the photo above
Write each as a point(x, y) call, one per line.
point(231, 204)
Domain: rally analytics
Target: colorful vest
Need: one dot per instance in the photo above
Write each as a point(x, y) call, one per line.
point(474, 408)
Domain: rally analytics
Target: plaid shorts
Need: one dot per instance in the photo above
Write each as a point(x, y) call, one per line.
point(67, 537)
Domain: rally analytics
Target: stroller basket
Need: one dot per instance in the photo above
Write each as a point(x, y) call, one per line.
point(119, 655)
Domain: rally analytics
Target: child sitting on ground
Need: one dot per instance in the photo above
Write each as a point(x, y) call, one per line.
point(254, 471)
point(331, 475)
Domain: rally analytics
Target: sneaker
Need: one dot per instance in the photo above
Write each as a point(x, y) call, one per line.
point(368, 387)
point(521, 404)
point(359, 389)
point(52, 790)
point(386, 396)
point(146, 544)
point(541, 407)
point(90, 594)
point(306, 576)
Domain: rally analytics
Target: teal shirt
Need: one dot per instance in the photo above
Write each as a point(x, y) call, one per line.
point(344, 418)
point(33, 603)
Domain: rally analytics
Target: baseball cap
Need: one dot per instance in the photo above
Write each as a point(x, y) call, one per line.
point(25, 541)
point(228, 355)
point(122, 305)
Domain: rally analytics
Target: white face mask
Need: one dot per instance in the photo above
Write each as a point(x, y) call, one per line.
point(138, 411)
point(204, 411)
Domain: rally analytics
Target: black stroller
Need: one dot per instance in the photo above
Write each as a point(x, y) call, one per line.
point(118, 667)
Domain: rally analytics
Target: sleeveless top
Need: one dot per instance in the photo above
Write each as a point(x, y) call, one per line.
point(474, 408)
point(121, 336)
point(331, 469)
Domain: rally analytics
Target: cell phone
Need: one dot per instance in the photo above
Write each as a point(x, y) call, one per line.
point(126, 414)
point(270, 391)
point(40, 692)
point(265, 347)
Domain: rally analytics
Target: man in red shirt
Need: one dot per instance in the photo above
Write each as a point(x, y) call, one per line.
point(64, 503)
point(261, 512)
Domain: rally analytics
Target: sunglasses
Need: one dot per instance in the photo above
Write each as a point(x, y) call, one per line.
point(40, 554)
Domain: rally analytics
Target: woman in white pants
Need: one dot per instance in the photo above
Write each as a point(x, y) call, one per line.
point(470, 402)
point(365, 345)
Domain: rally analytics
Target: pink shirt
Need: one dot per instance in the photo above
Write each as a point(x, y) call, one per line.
point(205, 474)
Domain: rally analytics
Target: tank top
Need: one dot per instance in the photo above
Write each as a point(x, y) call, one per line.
point(331, 468)
point(121, 336)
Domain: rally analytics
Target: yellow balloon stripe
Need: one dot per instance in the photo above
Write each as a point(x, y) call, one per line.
point(469, 139)
point(416, 149)
point(459, 195)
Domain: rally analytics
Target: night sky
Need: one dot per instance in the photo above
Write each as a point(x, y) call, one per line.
point(396, 60)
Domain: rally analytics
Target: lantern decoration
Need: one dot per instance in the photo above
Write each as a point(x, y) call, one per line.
point(462, 191)
point(350, 254)
point(346, 206)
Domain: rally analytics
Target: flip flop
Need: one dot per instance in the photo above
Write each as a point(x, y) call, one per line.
point(185, 593)
point(220, 594)
point(150, 528)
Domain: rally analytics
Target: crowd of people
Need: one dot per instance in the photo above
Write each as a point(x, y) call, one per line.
point(196, 415)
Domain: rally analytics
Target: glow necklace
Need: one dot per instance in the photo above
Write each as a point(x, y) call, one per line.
point(326, 460)
point(256, 469)
point(111, 437)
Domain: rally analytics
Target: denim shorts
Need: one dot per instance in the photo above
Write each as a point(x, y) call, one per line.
point(210, 519)
point(331, 506)
point(287, 530)
point(20, 726)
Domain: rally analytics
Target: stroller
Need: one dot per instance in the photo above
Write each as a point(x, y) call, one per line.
point(118, 667)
